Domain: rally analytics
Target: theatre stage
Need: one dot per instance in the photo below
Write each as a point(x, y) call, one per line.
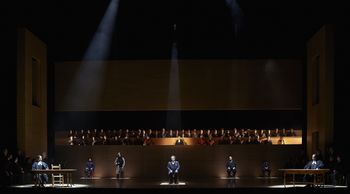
point(211, 185)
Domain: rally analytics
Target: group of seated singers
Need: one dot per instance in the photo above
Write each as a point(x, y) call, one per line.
point(205, 137)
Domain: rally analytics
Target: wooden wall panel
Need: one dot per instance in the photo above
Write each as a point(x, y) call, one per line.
point(196, 161)
point(204, 85)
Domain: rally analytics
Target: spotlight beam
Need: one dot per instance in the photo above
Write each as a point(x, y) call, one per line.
point(236, 15)
point(173, 119)
point(87, 85)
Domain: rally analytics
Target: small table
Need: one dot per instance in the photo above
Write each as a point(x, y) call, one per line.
point(66, 172)
point(315, 172)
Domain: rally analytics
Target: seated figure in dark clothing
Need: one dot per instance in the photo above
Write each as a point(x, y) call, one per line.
point(266, 169)
point(315, 163)
point(179, 141)
point(338, 172)
point(89, 167)
point(231, 167)
point(40, 178)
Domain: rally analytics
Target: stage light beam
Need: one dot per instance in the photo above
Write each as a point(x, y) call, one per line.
point(173, 118)
point(236, 15)
point(87, 85)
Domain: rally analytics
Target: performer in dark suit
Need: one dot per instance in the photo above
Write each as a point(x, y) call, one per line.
point(119, 163)
point(179, 141)
point(266, 169)
point(41, 179)
point(231, 167)
point(173, 170)
point(315, 163)
point(89, 167)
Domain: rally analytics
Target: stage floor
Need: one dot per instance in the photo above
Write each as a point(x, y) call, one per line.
point(215, 183)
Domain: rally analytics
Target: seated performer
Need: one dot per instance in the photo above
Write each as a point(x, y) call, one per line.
point(315, 163)
point(266, 169)
point(89, 167)
point(179, 141)
point(231, 167)
point(40, 178)
point(173, 170)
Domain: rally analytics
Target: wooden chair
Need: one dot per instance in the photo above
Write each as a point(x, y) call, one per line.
point(57, 178)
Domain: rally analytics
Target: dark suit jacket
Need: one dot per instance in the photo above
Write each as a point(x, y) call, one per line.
point(173, 166)
point(319, 164)
point(230, 165)
point(39, 166)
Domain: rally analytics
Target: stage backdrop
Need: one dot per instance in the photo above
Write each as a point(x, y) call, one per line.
point(143, 85)
point(196, 161)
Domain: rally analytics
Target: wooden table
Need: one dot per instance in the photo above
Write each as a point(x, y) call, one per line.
point(67, 173)
point(316, 172)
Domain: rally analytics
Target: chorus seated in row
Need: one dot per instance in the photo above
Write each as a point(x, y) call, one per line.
point(147, 141)
point(193, 133)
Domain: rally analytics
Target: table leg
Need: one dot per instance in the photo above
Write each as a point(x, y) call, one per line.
point(315, 176)
point(323, 179)
point(293, 180)
point(284, 179)
point(71, 179)
point(67, 178)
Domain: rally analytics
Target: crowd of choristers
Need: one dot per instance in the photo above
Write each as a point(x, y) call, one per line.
point(15, 167)
point(204, 137)
point(12, 166)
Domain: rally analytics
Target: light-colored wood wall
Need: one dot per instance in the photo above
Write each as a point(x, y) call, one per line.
point(204, 85)
point(31, 119)
point(320, 117)
point(196, 161)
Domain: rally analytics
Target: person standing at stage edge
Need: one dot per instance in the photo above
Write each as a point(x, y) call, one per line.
point(120, 164)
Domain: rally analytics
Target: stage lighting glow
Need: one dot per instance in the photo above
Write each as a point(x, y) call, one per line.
point(50, 186)
point(88, 82)
point(173, 119)
point(236, 14)
point(99, 46)
point(167, 184)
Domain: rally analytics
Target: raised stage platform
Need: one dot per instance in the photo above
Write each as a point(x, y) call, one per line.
point(209, 183)
point(214, 185)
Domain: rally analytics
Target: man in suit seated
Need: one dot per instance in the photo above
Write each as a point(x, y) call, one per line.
point(266, 169)
point(89, 167)
point(41, 178)
point(230, 167)
point(179, 141)
point(315, 163)
point(173, 170)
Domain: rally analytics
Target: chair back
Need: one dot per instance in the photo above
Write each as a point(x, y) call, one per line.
point(56, 167)
point(57, 178)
